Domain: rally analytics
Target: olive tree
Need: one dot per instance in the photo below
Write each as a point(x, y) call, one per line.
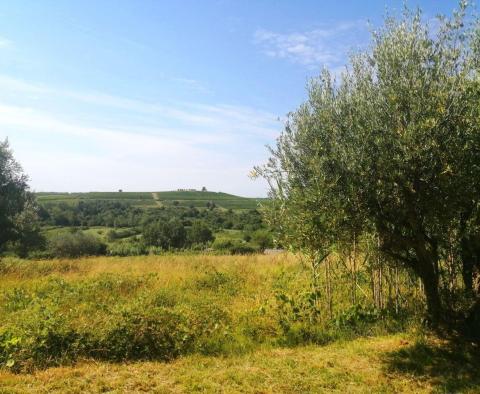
point(392, 148)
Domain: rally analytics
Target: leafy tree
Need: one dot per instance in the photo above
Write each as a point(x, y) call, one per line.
point(200, 233)
point(263, 238)
point(29, 237)
point(17, 205)
point(165, 234)
point(390, 149)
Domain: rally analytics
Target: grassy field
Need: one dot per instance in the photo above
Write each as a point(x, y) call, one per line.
point(203, 324)
point(154, 199)
point(387, 364)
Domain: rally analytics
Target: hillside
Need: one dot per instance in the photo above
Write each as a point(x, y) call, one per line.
point(197, 199)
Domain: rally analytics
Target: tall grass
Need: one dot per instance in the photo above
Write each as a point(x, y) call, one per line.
point(160, 307)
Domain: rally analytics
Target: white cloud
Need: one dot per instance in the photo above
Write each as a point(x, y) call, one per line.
point(181, 144)
point(5, 42)
point(222, 119)
point(325, 46)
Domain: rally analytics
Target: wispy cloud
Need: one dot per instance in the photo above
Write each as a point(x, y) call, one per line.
point(221, 119)
point(5, 42)
point(162, 145)
point(318, 47)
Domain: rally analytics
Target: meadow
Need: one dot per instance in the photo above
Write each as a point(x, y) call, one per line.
point(204, 323)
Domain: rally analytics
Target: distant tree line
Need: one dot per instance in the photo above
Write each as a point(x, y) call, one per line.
point(123, 214)
point(38, 230)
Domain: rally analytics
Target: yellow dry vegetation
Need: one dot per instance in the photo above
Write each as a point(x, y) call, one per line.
point(408, 362)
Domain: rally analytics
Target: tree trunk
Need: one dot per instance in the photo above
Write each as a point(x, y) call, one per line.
point(430, 285)
point(397, 291)
point(354, 272)
point(467, 265)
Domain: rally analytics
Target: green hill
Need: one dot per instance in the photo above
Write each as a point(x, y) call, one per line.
point(197, 199)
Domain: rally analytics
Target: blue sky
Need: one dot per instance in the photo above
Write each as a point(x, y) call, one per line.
point(159, 95)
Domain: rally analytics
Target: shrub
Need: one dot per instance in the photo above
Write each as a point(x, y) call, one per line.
point(234, 247)
point(75, 245)
point(209, 327)
point(145, 334)
point(42, 340)
point(127, 248)
point(263, 238)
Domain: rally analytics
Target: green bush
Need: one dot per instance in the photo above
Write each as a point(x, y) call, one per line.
point(262, 238)
point(210, 326)
point(42, 339)
point(75, 244)
point(145, 334)
point(127, 248)
point(234, 247)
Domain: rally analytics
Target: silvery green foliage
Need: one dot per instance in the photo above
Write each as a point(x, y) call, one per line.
point(391, 147)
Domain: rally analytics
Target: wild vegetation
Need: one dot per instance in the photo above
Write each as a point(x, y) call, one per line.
point(210, 314)
point(374, 195)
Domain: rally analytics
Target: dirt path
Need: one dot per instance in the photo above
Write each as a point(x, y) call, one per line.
point(157, 199)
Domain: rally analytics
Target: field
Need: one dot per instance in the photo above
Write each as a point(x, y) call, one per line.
point(204, 323)
point(197, 199)
point(389, 364)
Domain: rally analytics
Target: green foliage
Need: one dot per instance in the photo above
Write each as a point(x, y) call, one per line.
point(75, 244)
point(113, 235)
point(234, 246)
point(154, 333)
point(263, 238)
point(218, 282)
point(356, 316)
point(127, 248)
point(129, 225)
point(57, 312)
point(91, 212)
point(165, 234)
point(200, 233)
point(389, 150)
point(18, 211)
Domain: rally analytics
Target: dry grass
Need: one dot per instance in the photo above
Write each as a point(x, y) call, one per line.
point(386, 364)
point(357, 366)
point(176, 266)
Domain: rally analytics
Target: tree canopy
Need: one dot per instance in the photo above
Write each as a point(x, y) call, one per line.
point(391, 149)
point(17, 204)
